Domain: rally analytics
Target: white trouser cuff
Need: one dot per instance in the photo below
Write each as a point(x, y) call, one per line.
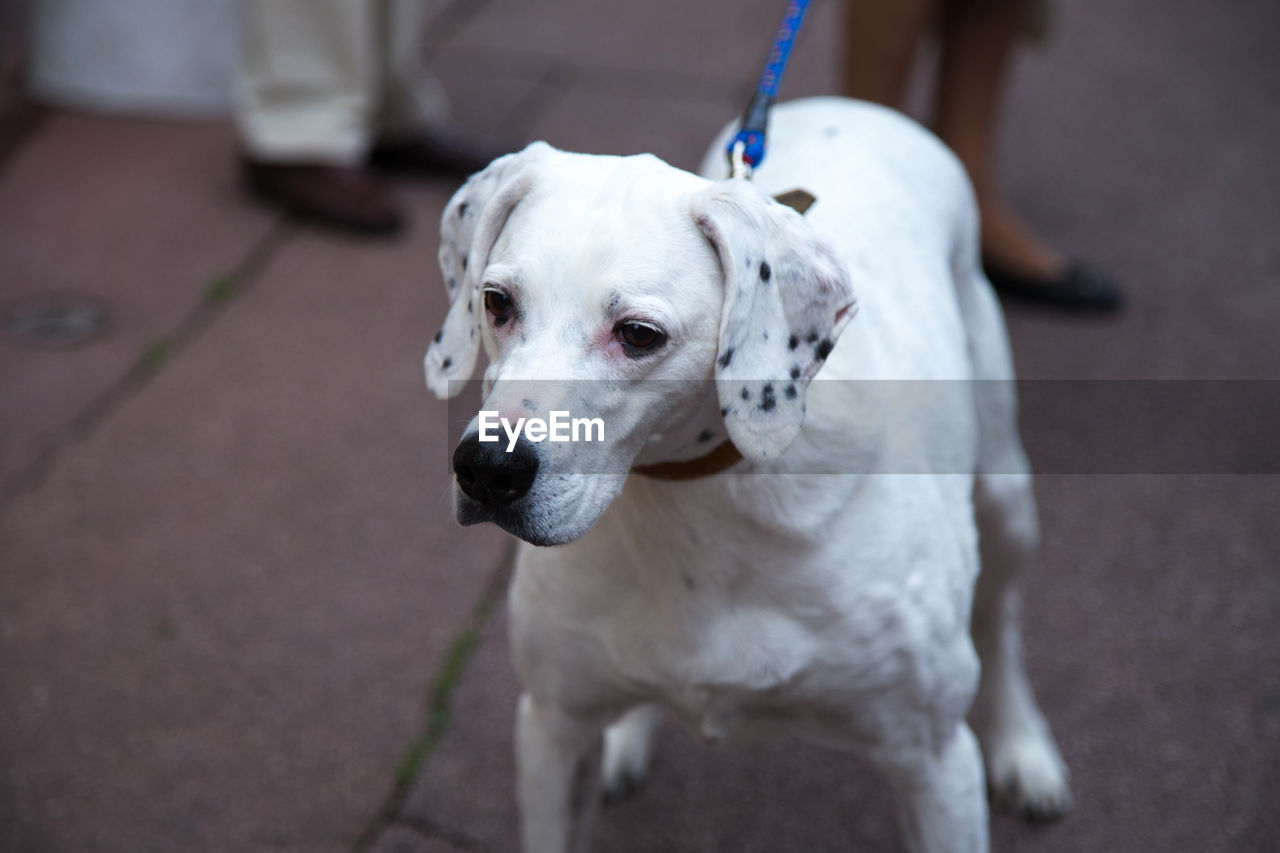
point(328, 132)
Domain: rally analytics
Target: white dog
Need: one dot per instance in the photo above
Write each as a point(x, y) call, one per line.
point(754, 591)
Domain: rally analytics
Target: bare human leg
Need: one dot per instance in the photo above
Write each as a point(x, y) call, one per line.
point(977, 39)
point(880, 41)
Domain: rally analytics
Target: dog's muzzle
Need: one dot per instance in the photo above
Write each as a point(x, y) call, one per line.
point(491, 476)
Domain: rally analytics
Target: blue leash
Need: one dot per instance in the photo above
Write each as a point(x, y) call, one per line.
point(746, 149)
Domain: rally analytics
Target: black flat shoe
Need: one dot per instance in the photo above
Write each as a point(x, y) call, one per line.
point(1077, 288)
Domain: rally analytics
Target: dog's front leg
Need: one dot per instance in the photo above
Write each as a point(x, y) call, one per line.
point(942, 797)
point(558, 760)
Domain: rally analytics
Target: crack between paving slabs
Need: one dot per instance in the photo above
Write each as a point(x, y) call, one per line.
point(214, 302)
point(427, 828)
point(448, 676)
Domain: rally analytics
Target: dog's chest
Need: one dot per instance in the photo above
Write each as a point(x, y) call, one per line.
point(693, 644)
point(716, 660)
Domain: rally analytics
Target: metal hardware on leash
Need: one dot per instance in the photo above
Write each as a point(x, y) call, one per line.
point(738, 167)
point(746, 150)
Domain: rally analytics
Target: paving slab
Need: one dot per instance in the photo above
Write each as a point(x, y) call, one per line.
point(616, 94)
point(622, 103)
point(721, 40)
point(678, 132)
point(1152, 638)
point(142, 216)
point(1143, 139)
point(493, 92)
point(222, 610)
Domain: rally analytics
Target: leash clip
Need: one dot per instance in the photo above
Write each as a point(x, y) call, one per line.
point(746, 151)
point(738, 165)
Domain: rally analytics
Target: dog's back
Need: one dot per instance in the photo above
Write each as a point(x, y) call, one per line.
point(883, 185)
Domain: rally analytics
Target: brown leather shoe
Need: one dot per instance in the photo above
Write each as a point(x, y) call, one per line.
point(443, 149)
point(342, 197)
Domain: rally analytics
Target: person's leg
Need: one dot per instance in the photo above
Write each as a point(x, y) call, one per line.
point(309, 86)
point(880, 41)
point(308, 81)
point(977, 40)
point(977, 35)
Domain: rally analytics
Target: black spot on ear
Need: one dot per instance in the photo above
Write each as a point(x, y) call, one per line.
point(446, 364)
point(812, 338)
point(704, 436)
point(726, 358)
point(471, 307)
point(823, 349)
point(793, 342)
point(765, 272)
point(462, 209)
point(724, 410)
point(464, 263)
point(453, 282)
point(765, 335)
point(473, 334)
point(767, 400)
point(746, 395)
point(795, 371)
point(439, 336)
point(791, 391)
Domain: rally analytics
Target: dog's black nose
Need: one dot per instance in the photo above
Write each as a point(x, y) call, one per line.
point(487, 473)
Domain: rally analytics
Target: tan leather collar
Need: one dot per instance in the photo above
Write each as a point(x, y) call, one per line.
point(720, 459)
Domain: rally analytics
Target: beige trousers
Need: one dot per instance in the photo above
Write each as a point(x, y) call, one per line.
point(320, 80)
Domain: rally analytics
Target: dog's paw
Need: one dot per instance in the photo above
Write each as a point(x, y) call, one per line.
point(1028, 778)
point(628, 752)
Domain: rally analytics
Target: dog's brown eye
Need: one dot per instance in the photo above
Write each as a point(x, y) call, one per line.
point(499, 306)
point(639, 336)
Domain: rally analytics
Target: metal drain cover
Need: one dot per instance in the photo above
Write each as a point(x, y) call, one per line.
point(55, 320)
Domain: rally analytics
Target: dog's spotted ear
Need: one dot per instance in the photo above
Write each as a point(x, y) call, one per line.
point(469, 227)
point(786, 299)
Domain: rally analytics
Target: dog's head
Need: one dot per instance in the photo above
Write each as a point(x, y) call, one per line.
point(616, 290)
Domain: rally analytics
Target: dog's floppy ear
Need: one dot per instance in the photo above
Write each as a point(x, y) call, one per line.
point(469, 227)
point(786, 299)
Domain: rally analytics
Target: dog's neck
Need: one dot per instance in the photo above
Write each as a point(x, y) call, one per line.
point(693, 433)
